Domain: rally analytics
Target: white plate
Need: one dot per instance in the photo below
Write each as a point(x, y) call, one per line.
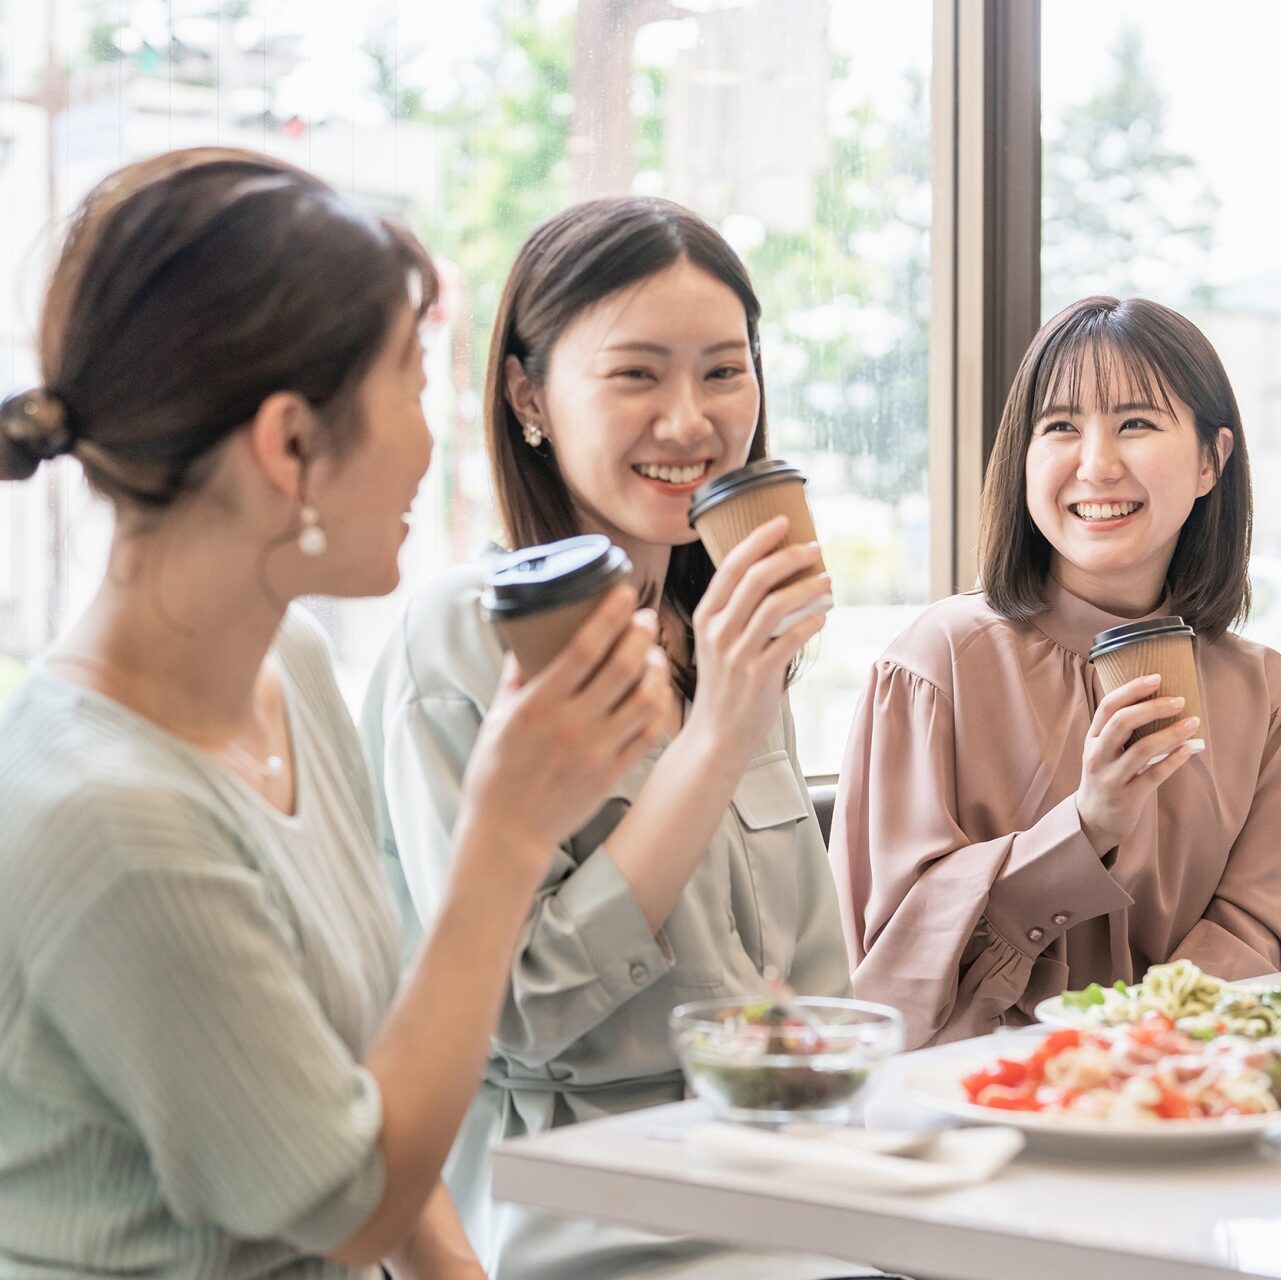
point(937, 1085)
point(1054, 1013)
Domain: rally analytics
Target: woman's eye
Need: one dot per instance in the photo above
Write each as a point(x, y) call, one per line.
point(635, 375)
point(1056, 428)
point(1138, 423)
point(725, 372)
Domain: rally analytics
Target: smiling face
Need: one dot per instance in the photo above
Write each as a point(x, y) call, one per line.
point(364, 494)
point(648, 393)
point(1112, 471)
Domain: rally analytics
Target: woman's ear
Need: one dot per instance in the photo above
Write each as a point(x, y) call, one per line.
point(283, 439)
point(1222, 451)
point(524, 398)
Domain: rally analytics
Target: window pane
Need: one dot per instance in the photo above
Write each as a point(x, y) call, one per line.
point(1152, 187)
point(799, 127)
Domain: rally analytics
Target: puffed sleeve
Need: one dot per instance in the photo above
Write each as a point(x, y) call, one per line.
point(176, 986)
point(1239, 936)
point(936, 918)
point(586, 947)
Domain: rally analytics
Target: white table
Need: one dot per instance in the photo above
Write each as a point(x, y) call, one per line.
point(1047, 1217)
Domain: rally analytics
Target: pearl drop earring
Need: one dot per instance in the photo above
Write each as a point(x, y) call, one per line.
point(312, 540)
point(533, 434)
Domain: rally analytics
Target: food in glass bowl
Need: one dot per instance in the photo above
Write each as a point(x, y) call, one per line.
point(771, 1062)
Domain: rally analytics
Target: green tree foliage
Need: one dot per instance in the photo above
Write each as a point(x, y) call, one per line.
point(1122, 211)
point(847, 305)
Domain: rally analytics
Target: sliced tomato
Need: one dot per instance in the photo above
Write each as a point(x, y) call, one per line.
point(1173, 1105)
point(1005, 1072)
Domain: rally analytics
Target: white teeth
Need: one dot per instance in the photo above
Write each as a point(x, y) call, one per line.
point(1104, 510)
point(672, 475)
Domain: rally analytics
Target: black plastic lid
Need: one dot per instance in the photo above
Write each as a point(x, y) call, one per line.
point(535, 579)
point(763, 471)
point(1132, 632)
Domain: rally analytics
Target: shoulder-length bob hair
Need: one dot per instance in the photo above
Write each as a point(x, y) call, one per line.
point(571, 262)
point(1136, 349)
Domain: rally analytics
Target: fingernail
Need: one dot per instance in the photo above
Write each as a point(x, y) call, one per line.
point(1177, 702)
point(1191, 722)
point(647, 617)
point(1151, 679)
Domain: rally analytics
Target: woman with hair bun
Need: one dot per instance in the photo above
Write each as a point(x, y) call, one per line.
point(204, 1067)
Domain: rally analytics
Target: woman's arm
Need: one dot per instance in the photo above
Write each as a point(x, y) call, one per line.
point(439, 1248)
point(946, 929)
point(548, 753)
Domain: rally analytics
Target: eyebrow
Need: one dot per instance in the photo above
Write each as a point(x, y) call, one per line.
point(1133, 406)
point(657, 349)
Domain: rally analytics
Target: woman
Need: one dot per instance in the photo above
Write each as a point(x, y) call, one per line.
point(202, 1070)
point(624, 372)
point(998, 835)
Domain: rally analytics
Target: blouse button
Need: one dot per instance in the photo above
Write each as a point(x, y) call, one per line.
point(1035, 934)
point(1060, 917)
point(639, 972)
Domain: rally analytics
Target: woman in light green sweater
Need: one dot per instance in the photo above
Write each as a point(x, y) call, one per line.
point(204, 1069)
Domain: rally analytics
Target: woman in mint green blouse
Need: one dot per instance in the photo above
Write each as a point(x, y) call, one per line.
point(204, 1068)
point(625, 370)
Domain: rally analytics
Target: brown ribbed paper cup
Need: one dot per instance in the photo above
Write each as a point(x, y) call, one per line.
point(725, 510)
point(1156, 646)
point(539, 597)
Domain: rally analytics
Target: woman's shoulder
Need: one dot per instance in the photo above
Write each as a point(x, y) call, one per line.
point(90, 791)
point(949, 636)
point(1249, 663)
point(443, 645)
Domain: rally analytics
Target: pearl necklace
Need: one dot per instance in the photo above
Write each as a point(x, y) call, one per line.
point(268, 770)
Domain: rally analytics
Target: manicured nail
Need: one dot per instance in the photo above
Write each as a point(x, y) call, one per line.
point(1151, 679)
point(1191, 722)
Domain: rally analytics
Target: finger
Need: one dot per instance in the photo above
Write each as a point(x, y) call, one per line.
point(1154, 775)
point(1154, 747)
point(1118, 731)
point(764, 577)
point(617, 676)
point(1126, 695)
point(590, 645)
point(760, 542)
point(784, 607)
point(780, 651)
point(645, 708)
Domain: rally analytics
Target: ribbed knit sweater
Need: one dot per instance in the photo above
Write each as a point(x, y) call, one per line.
point(188, 980)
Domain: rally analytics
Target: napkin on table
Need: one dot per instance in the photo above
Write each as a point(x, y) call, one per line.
point(957, 1157)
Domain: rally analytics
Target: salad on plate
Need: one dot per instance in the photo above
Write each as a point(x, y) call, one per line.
point(1201, 1005)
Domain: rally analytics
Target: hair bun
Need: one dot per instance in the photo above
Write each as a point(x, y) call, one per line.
point(37, 422)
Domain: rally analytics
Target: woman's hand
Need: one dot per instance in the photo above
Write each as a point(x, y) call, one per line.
point(1116, 780)
point(551, 747)
point(741, 661)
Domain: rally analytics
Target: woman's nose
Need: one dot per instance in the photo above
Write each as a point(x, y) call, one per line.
point(1100, 458)
point(683, 417)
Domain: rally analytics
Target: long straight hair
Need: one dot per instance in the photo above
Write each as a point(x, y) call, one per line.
point(572, 261)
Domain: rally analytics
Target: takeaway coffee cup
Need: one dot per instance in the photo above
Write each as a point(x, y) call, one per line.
point(539, 596)
point(1156, 646)
point(725, 510)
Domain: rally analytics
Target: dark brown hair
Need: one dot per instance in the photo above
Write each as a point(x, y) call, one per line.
point(1139, 347)
point(192, 286)
point(572, 261)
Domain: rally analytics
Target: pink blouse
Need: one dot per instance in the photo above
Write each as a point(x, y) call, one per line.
point(969, 891)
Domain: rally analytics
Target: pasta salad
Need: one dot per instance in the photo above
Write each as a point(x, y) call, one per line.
point(1201, 1005)
point(1149, 1070)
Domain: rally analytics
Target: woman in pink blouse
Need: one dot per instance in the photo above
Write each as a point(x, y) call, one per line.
point(996, 840)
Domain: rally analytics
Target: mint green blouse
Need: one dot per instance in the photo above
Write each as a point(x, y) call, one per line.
point(188, 981)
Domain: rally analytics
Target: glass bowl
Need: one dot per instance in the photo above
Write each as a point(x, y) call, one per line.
point(751, 1062)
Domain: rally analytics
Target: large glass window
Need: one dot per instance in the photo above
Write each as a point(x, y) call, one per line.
point(1159, 180)
point(799, 127)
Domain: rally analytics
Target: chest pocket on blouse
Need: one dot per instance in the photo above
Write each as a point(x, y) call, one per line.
point(769, 802)
point(768, 794)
